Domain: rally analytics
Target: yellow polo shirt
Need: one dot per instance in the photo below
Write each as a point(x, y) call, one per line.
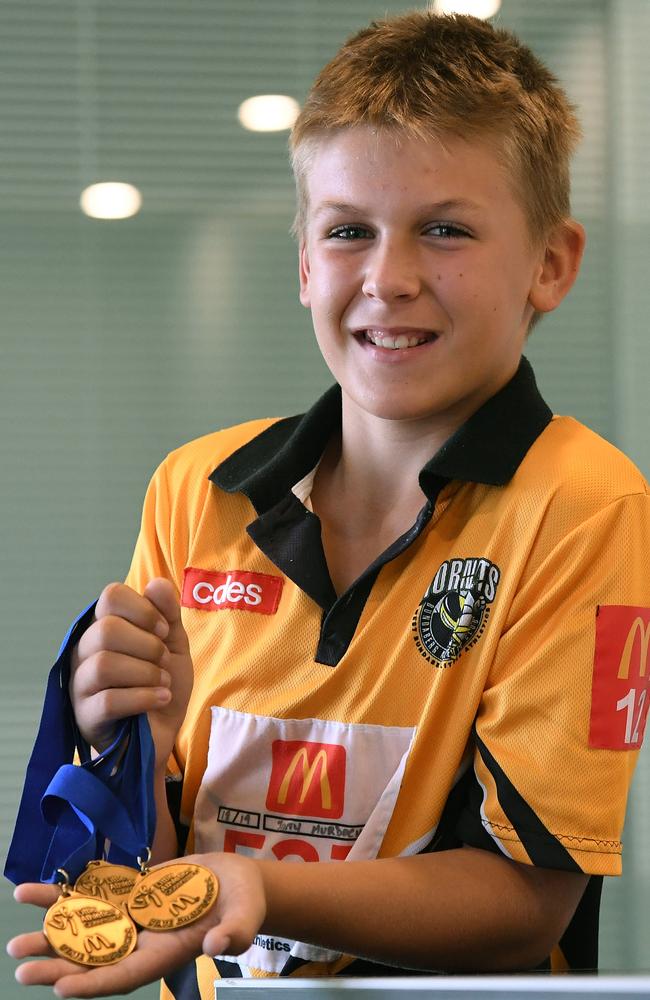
point(485, 681)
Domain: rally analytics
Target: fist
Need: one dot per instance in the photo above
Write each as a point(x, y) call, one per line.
point(134, 658)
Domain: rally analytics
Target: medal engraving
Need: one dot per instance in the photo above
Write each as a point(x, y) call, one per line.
point(172, 896)
point(113, 883)
point(88, 931)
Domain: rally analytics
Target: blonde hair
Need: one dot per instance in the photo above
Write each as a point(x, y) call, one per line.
point(425, 75)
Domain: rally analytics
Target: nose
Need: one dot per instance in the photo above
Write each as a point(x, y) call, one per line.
point(391, 272)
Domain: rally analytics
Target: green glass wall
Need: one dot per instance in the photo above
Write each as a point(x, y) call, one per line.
point(119, 341)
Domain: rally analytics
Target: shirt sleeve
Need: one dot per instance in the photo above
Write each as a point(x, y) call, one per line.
point(562, 714)
point(153, 555)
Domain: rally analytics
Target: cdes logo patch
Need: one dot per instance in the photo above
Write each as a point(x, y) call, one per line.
point(240, 590)
point(454, 611)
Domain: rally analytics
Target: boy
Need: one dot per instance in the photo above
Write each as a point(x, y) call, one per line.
point(428, 589)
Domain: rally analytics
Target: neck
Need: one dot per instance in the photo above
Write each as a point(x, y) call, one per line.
point(379, 460)
point(366, 489)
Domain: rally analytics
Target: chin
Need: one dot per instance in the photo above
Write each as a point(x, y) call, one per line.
point(399, 409)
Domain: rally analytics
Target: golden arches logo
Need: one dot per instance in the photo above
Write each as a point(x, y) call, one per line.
point(307, 779)
point(301, 759)
point(182, 903)
point(97, 942)
point(640, 628)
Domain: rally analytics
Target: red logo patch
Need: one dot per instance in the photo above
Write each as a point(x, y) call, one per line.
point(307, 779)
point(621, 680)
point(235, 590)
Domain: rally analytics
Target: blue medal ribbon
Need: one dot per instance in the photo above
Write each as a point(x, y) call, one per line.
point(69, 813)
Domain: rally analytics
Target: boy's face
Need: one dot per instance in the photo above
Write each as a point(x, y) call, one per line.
point(417, 266)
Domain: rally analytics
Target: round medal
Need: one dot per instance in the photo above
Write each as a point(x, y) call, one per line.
point(102, 880)
point(172, 896)
point(89, 931)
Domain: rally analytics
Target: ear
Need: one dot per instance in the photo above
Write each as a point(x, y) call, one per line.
point(304, 273)
point(559, 267)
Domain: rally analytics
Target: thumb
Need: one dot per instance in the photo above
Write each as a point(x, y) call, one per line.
point(164, 596)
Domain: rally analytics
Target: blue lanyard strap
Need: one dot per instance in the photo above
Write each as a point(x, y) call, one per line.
point(72, 814)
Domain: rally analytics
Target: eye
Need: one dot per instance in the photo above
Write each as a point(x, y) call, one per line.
point(446, 231)
point(349, 232)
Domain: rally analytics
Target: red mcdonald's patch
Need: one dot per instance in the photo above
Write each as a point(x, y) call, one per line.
point(307, 779)
point(621, 678)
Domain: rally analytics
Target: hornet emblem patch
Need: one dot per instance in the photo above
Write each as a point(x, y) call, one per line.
point(454, 611)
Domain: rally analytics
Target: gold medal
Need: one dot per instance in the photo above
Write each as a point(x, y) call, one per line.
point(102, 880)
point(88, 931)
point(172, 895)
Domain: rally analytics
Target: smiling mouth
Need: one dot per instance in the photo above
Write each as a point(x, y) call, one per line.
point(396, 341)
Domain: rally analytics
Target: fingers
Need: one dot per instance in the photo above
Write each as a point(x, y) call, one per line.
point(123, 602)
point(29, 945)
point(110, 685)
point(108, 668)
point(117, 635)
point(232, 935)
point(241, 906)
point(124, 662)
point(115, 703)
point(218, 942)
point(154, 956)
point(37, 893)
point(36, 945)
point(46, 973)
point(239, 923)
point(113, 669)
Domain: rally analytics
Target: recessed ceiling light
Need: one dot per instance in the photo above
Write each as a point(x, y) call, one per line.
point(268, 112)
point(111, 200)
point(477, 8)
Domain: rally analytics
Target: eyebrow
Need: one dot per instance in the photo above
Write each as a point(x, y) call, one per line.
point(449, 205)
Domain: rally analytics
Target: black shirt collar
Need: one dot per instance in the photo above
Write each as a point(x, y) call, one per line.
point(488, 448)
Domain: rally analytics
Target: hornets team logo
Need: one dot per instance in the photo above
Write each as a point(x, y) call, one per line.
point(455, 608)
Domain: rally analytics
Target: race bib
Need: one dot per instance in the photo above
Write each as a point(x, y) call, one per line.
point(297, 790)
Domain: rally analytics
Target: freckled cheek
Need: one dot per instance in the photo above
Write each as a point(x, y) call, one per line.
point(462, 293)
point(457, 289)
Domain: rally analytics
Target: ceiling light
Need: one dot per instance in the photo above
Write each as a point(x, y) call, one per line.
point(111, 200)
point(477, 8)
point(268, 112)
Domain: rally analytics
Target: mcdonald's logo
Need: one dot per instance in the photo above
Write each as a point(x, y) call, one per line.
point(97, 942)
point(307, 779)
point(620, 692)
point(642, 629)
point(182, 903)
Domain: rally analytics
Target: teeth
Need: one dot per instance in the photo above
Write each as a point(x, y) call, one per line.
point(394, 343)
